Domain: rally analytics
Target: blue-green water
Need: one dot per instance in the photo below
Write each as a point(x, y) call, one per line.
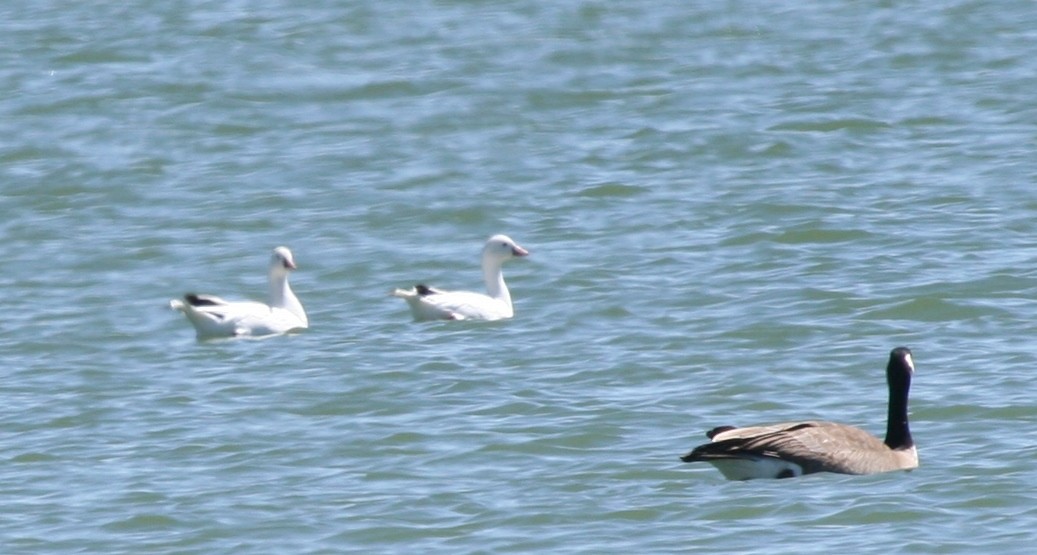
point(735, 209)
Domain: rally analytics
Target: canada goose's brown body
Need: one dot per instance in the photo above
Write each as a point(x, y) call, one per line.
point(792, 449)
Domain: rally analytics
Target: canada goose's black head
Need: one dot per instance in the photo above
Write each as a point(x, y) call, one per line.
point(900, 368)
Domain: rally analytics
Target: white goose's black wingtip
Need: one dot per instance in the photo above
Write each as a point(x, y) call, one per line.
point(198, 300)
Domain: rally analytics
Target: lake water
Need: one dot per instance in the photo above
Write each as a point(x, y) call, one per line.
point(735, 210)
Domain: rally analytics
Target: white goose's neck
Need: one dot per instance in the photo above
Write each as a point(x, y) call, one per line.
point(495, 286)
point(281, 296)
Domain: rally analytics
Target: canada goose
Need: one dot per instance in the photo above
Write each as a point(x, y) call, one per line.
point(215, 317)
point(792, 449)
point(428, 303)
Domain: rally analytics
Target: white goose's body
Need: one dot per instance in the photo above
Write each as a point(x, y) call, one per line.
point(215, 317)
point(427, 303)
point(791, 449)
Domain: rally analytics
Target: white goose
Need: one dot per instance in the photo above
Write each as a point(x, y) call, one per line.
point(427, 303)
point(215, 317)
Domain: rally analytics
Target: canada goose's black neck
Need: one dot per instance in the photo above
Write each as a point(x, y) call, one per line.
point(898, 374)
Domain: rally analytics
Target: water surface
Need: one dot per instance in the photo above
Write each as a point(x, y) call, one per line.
point(735, 210)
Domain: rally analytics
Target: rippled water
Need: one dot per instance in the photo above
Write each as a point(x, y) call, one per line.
point(735, 209)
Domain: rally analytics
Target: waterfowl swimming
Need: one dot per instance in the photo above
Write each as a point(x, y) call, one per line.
point(215, 317)
point(427, 303)
point(792, 449)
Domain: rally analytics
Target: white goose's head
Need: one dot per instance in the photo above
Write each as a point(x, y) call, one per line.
point(501, 248)
point(281, 262)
